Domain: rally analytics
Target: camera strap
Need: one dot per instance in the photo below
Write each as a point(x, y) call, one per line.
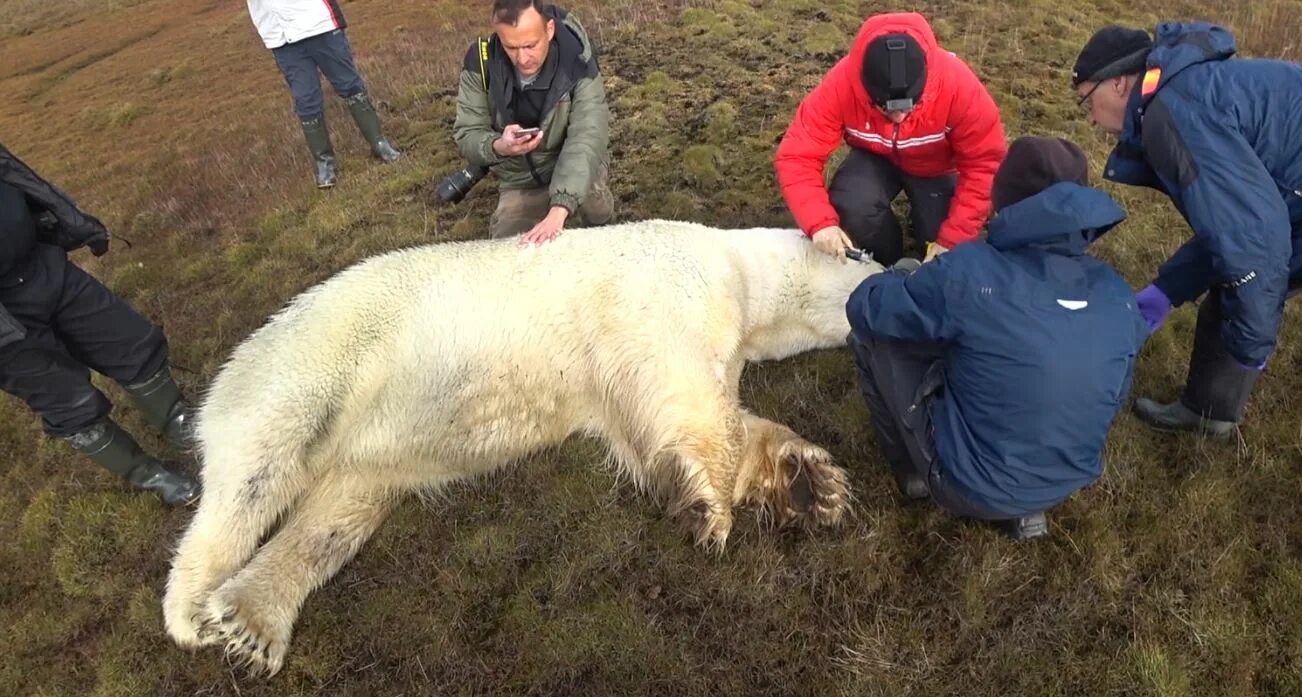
point(899, 90)
point(895, 54)
point(483, 62)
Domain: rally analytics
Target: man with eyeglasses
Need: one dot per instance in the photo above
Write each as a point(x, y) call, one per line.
point(1222, 137)
point(916, 119)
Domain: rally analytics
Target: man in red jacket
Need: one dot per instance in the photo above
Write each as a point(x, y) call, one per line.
point(916, 118)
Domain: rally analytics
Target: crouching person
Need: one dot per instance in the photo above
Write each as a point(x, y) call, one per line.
point(993, 374)
point(57, 323)
point(531, 106)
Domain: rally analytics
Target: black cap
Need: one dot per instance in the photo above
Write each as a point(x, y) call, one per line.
point(1035, 163)
point(894, 68)
point(1112, 51)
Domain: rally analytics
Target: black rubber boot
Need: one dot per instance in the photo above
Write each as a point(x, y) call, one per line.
point(911, 486)
point(368, 122)
point(1217, 390)
point(1177, 417)
point(116, 451)
point(1028, 527)
point(160, 400)
point(323, 155)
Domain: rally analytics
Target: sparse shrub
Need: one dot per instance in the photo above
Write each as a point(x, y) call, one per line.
point(164, 74)
point(116, 115)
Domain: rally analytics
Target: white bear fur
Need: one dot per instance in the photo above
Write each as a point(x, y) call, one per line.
point(425, 366)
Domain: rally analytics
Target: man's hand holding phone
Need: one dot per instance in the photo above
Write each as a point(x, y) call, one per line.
point(516, 141)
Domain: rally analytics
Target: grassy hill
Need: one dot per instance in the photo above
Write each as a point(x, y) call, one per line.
point(1180, 573)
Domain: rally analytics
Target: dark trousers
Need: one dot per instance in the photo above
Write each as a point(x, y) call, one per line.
point(899, 380)
point(74, 324)
point(300, 62)
point(1218, 387)
point(862, 191)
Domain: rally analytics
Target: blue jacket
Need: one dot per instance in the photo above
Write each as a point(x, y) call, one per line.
point(1223, 138)
point(1041, 341)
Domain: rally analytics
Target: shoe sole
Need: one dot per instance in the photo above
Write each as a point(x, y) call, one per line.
point(1211, 435)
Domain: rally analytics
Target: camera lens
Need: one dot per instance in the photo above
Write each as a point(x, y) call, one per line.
point(455, 187)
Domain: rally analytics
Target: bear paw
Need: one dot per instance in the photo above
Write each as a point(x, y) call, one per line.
point(817, 492)
point(256, 638)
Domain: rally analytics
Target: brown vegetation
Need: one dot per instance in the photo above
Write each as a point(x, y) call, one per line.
point(1178, 574)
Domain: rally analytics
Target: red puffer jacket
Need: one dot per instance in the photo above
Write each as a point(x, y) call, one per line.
point(955, 127)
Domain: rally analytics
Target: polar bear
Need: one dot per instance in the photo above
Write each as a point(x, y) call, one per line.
point(421, 367)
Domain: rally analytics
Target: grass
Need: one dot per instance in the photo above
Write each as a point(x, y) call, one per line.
point(1177, 574)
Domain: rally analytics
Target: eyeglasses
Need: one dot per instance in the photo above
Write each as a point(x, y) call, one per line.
point(1085, 102)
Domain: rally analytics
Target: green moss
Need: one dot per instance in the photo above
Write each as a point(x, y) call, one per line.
point(701, 164)
point(708, 25)
point(826, 40)
point(721, 123)
point(656, 85)
point(103, 536)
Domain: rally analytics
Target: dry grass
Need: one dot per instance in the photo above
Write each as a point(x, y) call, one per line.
point(1177, 574)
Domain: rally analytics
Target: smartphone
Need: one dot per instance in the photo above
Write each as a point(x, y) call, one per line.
point(527, 132)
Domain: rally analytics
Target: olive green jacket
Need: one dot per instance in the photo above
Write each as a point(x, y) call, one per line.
point(575, 121)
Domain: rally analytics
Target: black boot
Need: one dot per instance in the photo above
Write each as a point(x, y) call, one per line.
point(368, 122)
point(1217, 390)
point(1027, 527)
point(323, 155)
point(160, 400)
point(116, 451)
point(911, 486)
point(1177, 417)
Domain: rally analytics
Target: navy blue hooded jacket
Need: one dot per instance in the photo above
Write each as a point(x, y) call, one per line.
point(1223, 138)
point(1041, 341)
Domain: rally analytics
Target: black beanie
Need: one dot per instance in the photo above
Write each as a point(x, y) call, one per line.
point(1111, 52)
point(877, 69)
point(1033, 164)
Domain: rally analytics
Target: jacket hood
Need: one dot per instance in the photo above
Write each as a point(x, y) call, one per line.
point(1064, 218)
point(1179, 45)
point(568, 23)
point(911, 23)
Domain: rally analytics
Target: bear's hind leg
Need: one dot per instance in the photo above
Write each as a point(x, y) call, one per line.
point(254, 612)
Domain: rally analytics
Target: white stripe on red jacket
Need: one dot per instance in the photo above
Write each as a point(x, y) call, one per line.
point(955, 128)
point(281, 22)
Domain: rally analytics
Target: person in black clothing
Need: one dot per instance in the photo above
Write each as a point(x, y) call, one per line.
point(57, 323)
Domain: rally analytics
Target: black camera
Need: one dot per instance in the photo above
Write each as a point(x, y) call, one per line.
point(455, 186)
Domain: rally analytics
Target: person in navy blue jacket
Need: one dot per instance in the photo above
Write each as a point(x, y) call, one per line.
point(1222, 137)
point(993, 373)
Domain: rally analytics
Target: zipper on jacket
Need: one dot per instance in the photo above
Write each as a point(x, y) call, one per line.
point(895, 144)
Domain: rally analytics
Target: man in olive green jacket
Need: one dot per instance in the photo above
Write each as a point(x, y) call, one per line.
point(538, 71)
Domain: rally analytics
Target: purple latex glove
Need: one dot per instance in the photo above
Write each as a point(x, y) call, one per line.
point(1154, 306)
